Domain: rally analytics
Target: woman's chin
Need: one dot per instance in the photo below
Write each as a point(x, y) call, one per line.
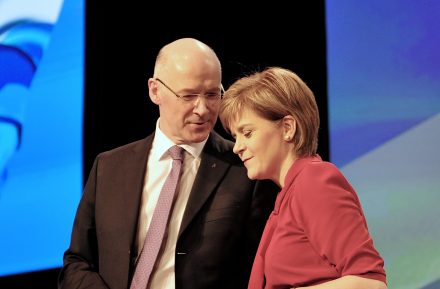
point(253, 176)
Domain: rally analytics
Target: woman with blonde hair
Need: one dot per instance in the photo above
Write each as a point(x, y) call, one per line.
point(317, 234)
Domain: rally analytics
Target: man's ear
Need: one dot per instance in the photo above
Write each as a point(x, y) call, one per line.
point(288, 124)
point(152, 91)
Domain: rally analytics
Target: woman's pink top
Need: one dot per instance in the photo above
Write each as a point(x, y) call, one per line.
point(316, 233)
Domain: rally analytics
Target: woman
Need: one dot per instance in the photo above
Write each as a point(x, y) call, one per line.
point(317, 235)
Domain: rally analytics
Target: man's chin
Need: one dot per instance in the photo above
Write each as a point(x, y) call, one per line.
point(197, 137)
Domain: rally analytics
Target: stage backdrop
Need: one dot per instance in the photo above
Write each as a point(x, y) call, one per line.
point(41, 113)
point(384, 118)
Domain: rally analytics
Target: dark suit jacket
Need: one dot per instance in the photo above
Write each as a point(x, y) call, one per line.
point(218, 237)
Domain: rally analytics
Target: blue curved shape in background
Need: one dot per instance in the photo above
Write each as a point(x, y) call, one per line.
point(22, 44)
point(18, 67)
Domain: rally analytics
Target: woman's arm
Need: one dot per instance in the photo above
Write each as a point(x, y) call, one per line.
point(348, 282)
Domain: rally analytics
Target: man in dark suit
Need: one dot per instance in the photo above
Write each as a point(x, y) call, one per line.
point(218, 214)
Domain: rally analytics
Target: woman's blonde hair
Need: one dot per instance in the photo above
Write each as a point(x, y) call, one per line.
point(273, 94)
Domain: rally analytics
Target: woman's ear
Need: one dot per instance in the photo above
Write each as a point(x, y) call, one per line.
point(152, 91)
point(289, 127)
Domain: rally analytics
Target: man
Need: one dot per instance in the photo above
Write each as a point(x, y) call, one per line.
point(218, 214)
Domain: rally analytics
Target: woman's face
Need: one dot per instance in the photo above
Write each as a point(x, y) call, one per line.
point(260, 145)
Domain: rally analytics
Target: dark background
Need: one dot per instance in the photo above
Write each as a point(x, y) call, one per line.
point(122, 41)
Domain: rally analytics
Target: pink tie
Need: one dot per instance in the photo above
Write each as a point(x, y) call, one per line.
point(153, 240)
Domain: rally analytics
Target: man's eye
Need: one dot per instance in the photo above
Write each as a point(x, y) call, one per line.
point(190, 97)
point(213, 95)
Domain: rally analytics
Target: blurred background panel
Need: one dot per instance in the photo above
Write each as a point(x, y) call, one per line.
point(384, 119)
point(41, 130)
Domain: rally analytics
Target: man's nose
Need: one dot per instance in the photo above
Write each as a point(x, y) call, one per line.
point(201, 105)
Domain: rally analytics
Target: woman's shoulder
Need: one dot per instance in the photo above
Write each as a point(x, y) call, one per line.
point(318, 175)
point(316, 167)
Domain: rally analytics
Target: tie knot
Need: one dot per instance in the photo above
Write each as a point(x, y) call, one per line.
point(176, 152)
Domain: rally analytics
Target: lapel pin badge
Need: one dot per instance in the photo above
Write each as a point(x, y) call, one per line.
point(213, 165)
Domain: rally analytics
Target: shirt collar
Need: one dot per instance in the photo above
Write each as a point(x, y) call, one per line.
point(162, 143)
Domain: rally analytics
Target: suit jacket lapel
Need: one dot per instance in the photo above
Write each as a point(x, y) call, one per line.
point(133, 166)
point(211, 170)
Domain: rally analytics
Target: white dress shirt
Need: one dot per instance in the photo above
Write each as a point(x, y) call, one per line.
point(158, 167)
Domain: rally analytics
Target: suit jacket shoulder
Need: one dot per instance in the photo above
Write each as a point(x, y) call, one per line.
point(143, 145)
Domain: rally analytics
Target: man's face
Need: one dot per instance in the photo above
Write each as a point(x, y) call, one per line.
point(190, 117)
